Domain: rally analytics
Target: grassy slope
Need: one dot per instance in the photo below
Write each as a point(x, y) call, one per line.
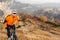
point(34, 29)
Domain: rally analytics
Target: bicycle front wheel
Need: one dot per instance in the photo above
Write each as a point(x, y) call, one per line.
point(15, 37)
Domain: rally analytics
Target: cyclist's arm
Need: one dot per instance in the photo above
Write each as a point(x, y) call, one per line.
point(5, 22)
point(18, 20)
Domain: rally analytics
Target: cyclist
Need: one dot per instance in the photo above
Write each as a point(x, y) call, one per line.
point(9, 22)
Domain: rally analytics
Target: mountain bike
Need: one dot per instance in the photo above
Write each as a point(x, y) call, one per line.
point(13, 35)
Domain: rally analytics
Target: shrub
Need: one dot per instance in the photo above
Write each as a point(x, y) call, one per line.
point(44, 18)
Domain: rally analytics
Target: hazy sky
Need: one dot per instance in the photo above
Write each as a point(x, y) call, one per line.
point(39, 1)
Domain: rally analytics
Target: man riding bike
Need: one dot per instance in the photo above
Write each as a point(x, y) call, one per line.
point(9, 23)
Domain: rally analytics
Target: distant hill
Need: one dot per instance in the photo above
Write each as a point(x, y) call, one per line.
point(36, 9)
point(52, 4)
point(26, 8)
point(48, 5)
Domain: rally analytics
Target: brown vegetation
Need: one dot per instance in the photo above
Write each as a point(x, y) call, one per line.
point(34, 29)
point(44, 18)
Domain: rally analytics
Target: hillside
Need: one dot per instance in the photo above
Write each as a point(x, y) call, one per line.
point(35, 28)
point(51, 10)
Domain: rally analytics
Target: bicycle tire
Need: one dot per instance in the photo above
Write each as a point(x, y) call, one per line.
point(15, 37)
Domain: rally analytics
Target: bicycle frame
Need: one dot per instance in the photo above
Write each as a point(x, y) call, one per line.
point(13, 35)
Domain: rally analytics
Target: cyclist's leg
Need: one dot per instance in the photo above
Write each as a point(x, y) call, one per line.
point(13, 28)
point(14, 33)
point(8, 32)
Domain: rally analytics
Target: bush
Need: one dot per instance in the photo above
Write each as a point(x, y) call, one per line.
point(44, 18)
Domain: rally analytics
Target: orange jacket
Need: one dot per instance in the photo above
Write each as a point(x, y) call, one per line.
point(10, 20)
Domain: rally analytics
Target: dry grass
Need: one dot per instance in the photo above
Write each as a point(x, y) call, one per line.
point(33, 30)
point(37, 34)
